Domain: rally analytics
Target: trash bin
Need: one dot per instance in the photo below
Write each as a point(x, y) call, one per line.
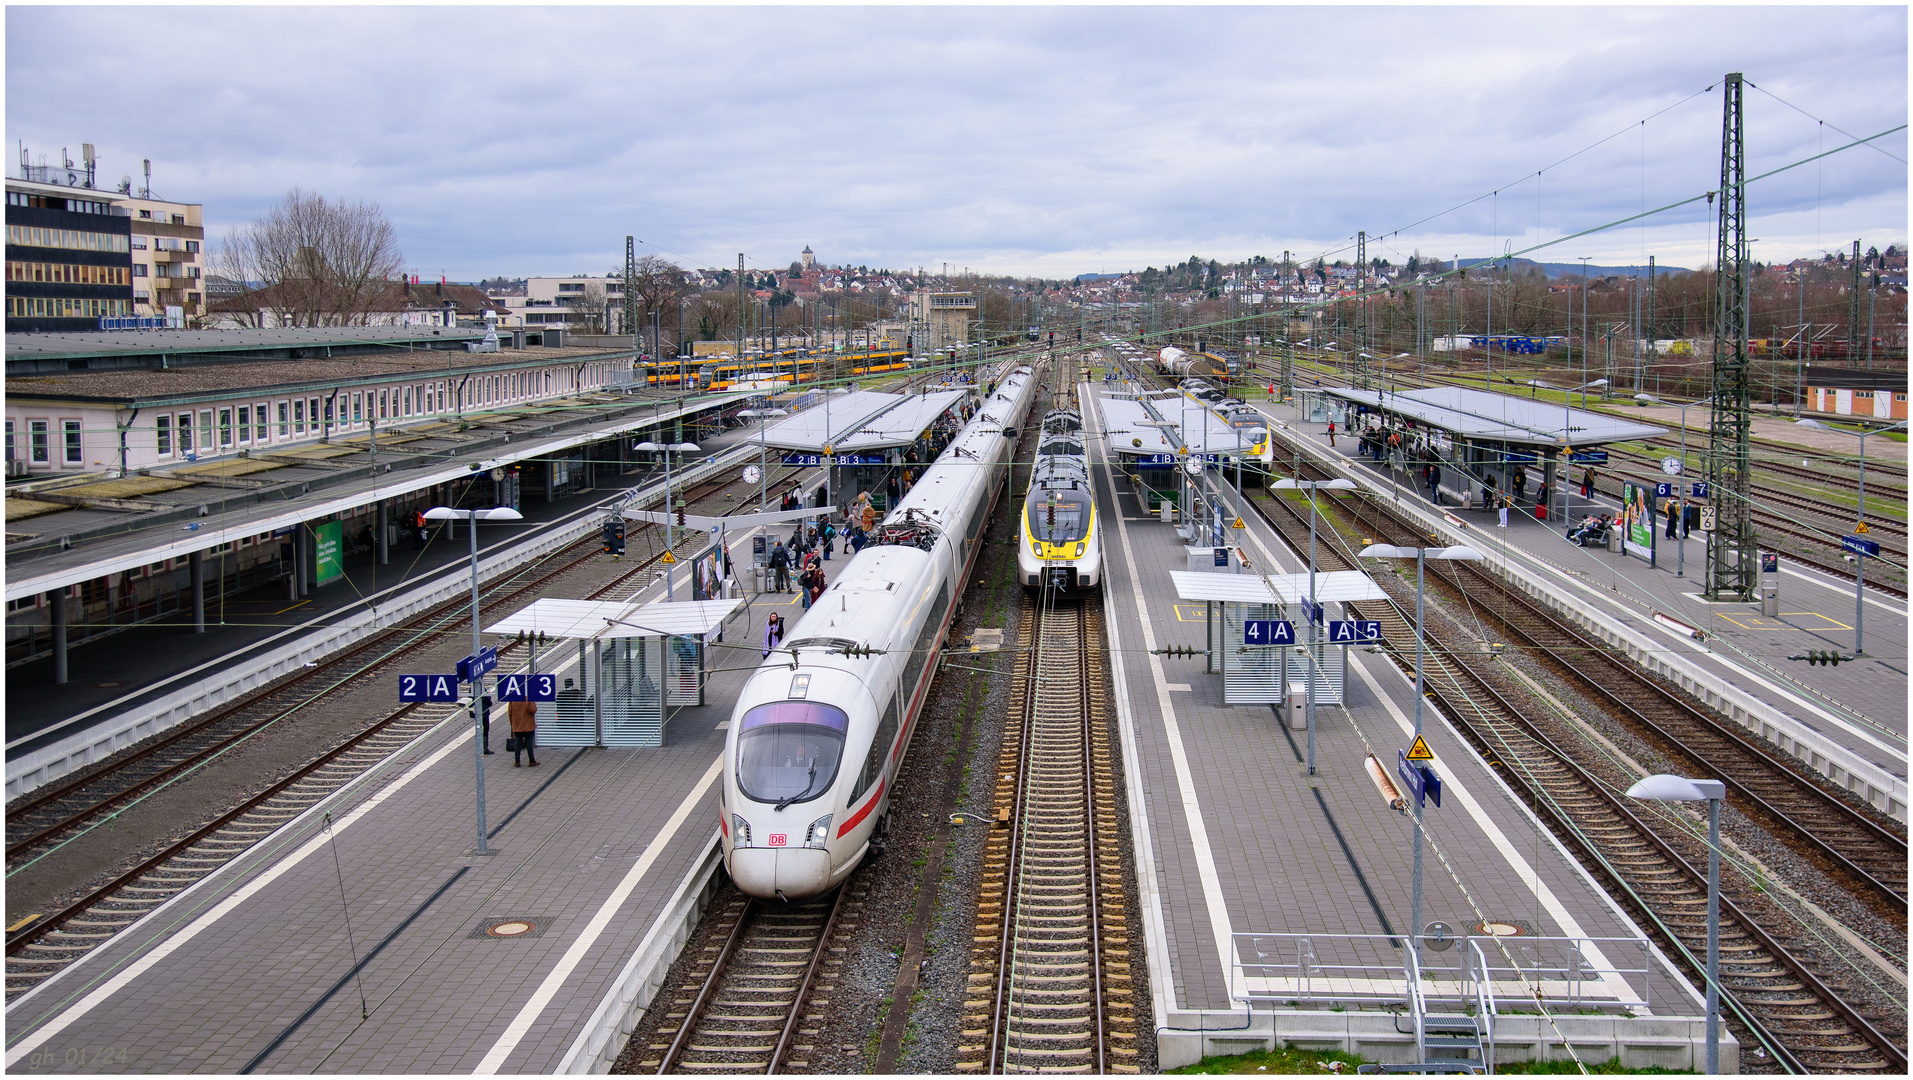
point(1616, 540)
point(1295, 709)
point(1770, 595)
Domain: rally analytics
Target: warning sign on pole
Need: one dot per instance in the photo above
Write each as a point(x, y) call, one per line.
point(1238, 524)
point(668, 558)
point(1419, 751)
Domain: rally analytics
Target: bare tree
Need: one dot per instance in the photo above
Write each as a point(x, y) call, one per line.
point(311, 262)
point(588, 307)
point(659, 286)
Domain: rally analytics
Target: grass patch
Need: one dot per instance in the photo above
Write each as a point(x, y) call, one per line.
point(1610, 1066)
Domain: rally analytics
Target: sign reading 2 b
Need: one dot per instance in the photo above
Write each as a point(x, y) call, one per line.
point(528, 688)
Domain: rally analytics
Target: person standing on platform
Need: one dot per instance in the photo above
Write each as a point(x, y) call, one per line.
point(1541, 504)
point(1503, 503)
point(773, 633)
point(1434, 485)
point(780, 567)
point(870, 517)
point(1673, 519)
point(524, 730)
point(1520, 484)
point(858, 539)
point(830, 539)
point(1587, 483)
point(1331, 434)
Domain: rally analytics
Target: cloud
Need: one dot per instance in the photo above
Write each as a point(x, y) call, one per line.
point(1026, 140)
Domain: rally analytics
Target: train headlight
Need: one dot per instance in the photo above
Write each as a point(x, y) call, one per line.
point(1036, 547)
point(1081, 546)
point(740, 831)
point(819, 832)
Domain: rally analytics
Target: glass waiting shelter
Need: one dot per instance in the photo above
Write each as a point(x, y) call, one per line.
point(1260, 674)
point(621, 667)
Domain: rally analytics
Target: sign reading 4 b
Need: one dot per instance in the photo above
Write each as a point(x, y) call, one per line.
point(528, 688)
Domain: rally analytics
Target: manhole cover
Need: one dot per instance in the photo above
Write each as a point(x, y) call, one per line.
point(110, 683)
point(1503, 928)
point(525, 927)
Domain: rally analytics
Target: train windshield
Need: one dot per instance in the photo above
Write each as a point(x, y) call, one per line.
point(788, 751)
point(1058, 517)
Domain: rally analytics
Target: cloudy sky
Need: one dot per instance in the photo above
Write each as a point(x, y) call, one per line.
point(1023, 140)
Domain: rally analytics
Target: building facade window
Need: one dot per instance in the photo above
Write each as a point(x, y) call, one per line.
point(185, 422)
point(74, 454)
point(312, 410)
point(205, 431)
point(358, 408)
point(245, 423)
point(163, 435)
point(382, 404)
point(282, 420)
point(298, 418)
point(225, 427)
point(9, 440)
point(37, 452)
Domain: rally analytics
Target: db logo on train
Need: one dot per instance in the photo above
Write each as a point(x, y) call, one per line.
point(778, 839)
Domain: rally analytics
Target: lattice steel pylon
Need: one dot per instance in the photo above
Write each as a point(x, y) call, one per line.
point(631, 292)
point(1358, 358)
point(1732, 562)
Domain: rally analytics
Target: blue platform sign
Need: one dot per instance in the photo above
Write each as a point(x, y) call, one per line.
point(528, 688)
point(1699, 490)
point(1350, 631)
point(473, 668)
point(428, 688)
point(1312, 611)
point(1171, 459)
point(1666, 491)
point(1866, 549)
point(1588, 457)
point(1268, 632)
point(1418, 780)
point(835, 459)
point(1222, 556)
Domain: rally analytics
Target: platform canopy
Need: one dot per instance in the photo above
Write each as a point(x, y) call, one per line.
point(1331, 586)
point(860, 422)
point(1481, 414)
point(594, 619)
point(1131, 429)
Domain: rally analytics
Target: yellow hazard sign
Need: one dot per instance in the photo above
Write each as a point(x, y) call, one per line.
point(1862, 528)
point(1420, 751)
point(1238, 524)
point(668, 558)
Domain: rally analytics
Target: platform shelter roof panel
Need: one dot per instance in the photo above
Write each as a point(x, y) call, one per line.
point(1480, 414)
point(1208, 433)
point(1131, 430)
point(1331, 586)
point(899, 425)
point(587, 619)
point(809, 431)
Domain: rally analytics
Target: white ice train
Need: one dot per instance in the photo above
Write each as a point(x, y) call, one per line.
point(1059, 545)
point(819, 732)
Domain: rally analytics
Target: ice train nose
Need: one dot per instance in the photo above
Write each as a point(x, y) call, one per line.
point(796, 873)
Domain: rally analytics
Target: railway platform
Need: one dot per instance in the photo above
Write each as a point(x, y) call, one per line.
point(1849, 722)
point(1273, 902)
point(367, 936)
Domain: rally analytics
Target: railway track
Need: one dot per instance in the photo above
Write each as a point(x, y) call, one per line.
point(1050, 989)
point(1776, 999)
point(742, 1010)
point(54, 811)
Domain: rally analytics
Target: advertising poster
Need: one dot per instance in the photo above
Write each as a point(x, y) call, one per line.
point(1638, 521)
point(328, 548)
point(706, 579)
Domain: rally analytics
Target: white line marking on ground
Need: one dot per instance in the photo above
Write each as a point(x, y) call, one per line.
point(145, 963)
point(521, 1024)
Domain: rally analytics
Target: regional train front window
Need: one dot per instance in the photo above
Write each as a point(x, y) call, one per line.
point(788, 751)
point(1058, 517)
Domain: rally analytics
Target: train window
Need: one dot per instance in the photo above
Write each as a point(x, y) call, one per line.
point(879, 751)
point(788, 751)
point(1058, 517)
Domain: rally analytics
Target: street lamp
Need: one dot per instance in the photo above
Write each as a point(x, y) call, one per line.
point(762, 476)
point(1460, 553)
point(668, 449)
point(1312, 486)
point(472, 518)
point(1663, 787)
point(1859, 561)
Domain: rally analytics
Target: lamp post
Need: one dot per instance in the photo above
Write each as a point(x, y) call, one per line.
point(668, 449)
point(763, 479)
point(1420, 555)
point(1680, 557)
point(1859, 561)
point(472, 518)
point(1312, 486)
point(1663, 787)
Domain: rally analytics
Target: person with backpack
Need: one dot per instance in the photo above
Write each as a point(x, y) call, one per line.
point(830, 539)
point(780, 567)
